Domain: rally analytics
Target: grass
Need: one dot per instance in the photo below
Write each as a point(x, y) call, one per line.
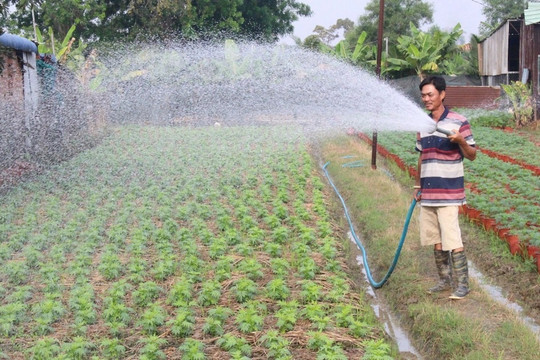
point(441, 329)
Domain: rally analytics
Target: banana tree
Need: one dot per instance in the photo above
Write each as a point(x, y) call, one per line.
point(362, 54)
point(423, 52)
point(520, 96)
point(49, 47)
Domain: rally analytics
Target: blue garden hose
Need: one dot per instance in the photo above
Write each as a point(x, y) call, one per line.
point(373, 283)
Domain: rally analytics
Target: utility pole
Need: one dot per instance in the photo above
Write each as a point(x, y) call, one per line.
point(34, 21)
point(378, 72)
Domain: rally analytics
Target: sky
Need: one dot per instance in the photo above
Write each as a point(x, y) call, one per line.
point(446, 14)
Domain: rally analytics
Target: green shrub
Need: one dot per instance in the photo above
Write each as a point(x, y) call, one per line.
point(520, 96)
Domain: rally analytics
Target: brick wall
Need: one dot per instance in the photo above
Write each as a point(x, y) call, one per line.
point(472, 96)
point(11, 80)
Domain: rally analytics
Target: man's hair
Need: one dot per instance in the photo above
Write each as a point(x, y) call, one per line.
point(437, 81)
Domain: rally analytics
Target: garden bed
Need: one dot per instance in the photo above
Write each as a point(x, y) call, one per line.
point(177, 243)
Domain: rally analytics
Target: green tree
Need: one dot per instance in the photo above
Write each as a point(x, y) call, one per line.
point(423, 53)
point(57, 15)
point(363, 55)
point(398, 14)
point(312, 42)
point(268, 20)
point(330, 34)
point(130, 19)
point(462, 59)
point(496, 11)
point(3, 15)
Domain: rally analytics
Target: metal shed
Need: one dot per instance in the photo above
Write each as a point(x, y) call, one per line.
point(498, 54)
point(512, 53)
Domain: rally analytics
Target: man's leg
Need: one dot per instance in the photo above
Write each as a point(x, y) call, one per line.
point(430, 235)
point(461, 272)
point(451, 240)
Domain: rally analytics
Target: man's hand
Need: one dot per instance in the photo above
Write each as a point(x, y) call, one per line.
point(456, 137)
point(468, 151)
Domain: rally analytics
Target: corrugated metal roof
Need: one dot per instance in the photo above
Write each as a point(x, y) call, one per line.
point(532, 14)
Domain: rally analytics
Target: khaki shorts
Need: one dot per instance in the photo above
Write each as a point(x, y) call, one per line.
point(440, 225)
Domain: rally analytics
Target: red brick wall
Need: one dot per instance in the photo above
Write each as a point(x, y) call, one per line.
point(11, 80)
point(472, 96)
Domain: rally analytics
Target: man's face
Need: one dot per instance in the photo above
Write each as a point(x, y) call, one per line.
point(432, 98)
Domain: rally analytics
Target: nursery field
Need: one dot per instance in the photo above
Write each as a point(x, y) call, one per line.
point(178, 243)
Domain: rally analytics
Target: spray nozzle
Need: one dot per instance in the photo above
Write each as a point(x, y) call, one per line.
point(444, 131)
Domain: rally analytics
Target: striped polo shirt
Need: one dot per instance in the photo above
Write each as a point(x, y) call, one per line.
point(441, 175)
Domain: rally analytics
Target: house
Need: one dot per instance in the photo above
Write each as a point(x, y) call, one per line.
point(512, 52)
point(498, 54)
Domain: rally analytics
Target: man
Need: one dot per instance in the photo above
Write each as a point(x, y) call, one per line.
point(440, 187)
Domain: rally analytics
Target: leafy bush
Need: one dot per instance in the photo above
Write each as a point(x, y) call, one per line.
point(325, 347)
point(234, 344)
point(78, 349)
point(317, 314)
point(10, 315)
point(112, 348)
point(277, 346)
point(110, 266)
point(192, 350)
point(46, 312)
point(376, 350)
point(311, 291)
point(152, 348)
point(181, 293)
point(244, 289)
point(44, 349)
point(184, 323)
point(520, 96)
point(287, 315)
point(215, 320)
point(251, 317)
point(210, 293)
point(490, 118)
point(146, 293)
point(277, 289)
point(280, 266)
point(152, 318)
point(252, 268)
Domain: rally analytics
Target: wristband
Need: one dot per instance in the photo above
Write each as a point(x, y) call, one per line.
point(416, 187)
